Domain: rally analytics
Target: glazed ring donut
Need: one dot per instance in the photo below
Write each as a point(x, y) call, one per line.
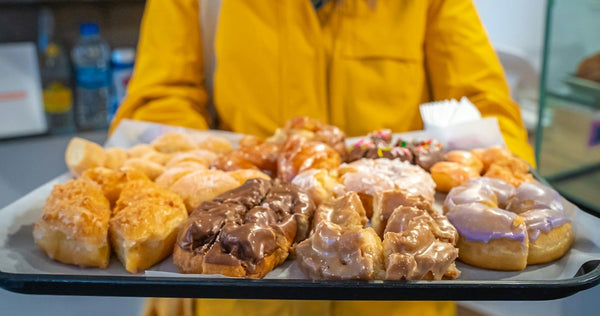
point(504, 228)
point(449, 174)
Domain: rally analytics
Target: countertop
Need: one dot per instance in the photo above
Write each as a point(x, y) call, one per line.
point(27, 163)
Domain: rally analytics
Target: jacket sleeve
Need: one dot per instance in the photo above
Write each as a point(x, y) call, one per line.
point(461, 62)
point(167, 85)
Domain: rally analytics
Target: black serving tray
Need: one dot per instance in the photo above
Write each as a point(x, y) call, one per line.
point(587, 277)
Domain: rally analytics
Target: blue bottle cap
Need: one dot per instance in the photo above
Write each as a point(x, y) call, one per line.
point(89, 29)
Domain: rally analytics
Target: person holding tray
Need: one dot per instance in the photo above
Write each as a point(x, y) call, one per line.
point(358, 64)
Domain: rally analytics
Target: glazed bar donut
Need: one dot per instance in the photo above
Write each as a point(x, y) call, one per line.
point(505, 228)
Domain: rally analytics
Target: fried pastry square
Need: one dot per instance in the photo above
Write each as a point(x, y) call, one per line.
point(145, 224)
point(74, 225)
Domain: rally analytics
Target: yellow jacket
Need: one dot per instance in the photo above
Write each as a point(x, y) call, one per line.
point(346, 64)
point(349, 64)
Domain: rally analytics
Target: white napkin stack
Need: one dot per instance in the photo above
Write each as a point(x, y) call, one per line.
point(448, 113)
point(459, 125)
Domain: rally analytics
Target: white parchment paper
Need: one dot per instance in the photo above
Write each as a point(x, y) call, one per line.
point(19, 254)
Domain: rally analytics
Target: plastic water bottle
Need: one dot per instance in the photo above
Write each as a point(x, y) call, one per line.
point(122, 68)
point(91, 57)
point(56, 78)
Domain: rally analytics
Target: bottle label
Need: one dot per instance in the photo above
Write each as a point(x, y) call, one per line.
point(57, 98)
point(92, 77)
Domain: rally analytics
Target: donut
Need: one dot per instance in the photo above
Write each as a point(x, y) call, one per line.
point(174, 173)
point(415, 247)
point(298, 154)
point(490, 237)
point(112, 181)
point(202, 185)
point(157, 157)
point(449, 174)
point(491, 155)
point(320, 184)
point(82, 154)
point(200, 156)
point(138, 151)
point(487, 191)
point(504, 228)
point(368, 176)
point(332, 252)
point(507, 174)
point(244, 232)
point(151, 169)
point(426, 153)
point(74, 226)
point(216, 144)
point(378, 144)
point(173, 142)
point(115, 157)
point(243, 175)
point(345, 211)
point(252, 154)
point(311, 130)
point(465, 158)
point(340, 247)
point(144, 228)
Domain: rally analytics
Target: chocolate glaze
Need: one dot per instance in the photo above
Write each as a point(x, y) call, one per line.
point(243, 226)
point(249, 194)
point(248, 241)
point(427, 155)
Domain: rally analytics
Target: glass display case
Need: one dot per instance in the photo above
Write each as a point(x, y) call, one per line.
point(568, 133)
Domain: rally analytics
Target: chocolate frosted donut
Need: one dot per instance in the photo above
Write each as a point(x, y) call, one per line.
point(244, 232)
point(378, 144)
point(426, 153)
